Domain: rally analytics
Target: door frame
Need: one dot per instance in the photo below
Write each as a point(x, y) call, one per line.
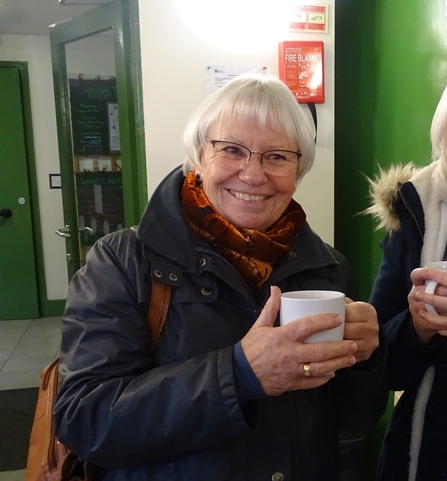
point(46, 308)
point(122, 17)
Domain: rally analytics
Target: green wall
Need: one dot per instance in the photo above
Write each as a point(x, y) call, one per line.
point(390, 70)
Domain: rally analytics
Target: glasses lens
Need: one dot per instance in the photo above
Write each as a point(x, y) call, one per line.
point(279, 158)
point(231, 155)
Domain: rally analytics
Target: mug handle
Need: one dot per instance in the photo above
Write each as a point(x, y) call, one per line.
point(430, 287)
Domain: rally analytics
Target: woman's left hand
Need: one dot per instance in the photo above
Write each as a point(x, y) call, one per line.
point(361, 326)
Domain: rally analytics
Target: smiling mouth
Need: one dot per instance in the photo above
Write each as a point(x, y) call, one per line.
point(247, 197)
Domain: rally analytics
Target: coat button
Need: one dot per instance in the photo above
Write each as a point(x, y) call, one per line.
point(278, 477)
point(206, 291)
point(203, 262)
point(293, 254)
point(173, 277)
point(158, 273)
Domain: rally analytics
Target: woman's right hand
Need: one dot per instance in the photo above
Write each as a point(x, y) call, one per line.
point(277, 354)
point(427, 325)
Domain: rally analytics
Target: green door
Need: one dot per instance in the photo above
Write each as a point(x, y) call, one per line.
point(18, 280)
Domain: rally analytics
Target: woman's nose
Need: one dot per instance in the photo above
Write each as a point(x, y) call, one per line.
point(253, 170)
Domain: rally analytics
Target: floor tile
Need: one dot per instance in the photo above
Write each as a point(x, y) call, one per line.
point(12, 475)
point(28, 362)
point(19, 380)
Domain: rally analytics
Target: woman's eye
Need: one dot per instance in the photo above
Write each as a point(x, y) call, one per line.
point(275, 157)
point(233, 150)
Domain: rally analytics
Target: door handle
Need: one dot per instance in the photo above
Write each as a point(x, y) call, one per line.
point(6, 213)
point(64, 232)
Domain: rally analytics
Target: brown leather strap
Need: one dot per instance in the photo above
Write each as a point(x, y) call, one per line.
point(158, 308)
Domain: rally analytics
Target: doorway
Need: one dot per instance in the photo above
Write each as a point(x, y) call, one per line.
point(99, 122)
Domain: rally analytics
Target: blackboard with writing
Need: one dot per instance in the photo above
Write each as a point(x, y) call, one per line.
point(89, 101)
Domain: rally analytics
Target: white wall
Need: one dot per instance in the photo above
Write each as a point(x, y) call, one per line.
point(180, 38)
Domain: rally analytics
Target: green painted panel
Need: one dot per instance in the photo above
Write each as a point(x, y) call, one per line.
point(18, 282)
point(390, 69)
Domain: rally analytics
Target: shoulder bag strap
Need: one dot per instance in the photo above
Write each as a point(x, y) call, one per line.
point(158, 308)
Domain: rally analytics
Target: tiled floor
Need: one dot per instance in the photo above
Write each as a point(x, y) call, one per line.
point(26, 347)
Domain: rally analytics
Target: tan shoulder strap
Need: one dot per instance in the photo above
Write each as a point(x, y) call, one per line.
point(158, 308)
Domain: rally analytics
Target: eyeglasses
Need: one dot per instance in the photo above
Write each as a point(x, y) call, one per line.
point(234, 156)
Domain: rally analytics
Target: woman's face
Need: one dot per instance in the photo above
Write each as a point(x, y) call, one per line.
point(247, 196)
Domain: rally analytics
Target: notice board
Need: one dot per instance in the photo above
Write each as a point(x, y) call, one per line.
point(90, 102)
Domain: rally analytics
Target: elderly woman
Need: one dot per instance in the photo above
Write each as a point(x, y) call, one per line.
point(228, 394)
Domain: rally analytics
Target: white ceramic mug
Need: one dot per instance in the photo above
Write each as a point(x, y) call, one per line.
point(298, 304)
point(430, 286)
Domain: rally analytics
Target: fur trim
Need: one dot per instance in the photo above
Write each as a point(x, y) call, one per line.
point(384, 191)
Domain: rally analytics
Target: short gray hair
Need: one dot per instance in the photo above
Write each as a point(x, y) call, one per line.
point(264, 98)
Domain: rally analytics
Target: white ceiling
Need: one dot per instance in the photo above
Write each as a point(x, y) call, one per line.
point(32, 17)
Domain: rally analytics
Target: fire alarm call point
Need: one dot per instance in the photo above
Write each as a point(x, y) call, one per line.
point(301, 69)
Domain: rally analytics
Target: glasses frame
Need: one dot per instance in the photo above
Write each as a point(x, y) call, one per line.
point(213, 142)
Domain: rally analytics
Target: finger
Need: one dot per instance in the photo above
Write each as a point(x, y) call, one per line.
point(360, 312)
point(433, 321)
point(323, 351)
point(270, 310)
point(300, 329)
point(348, 300)
point(418, 276)
point(435, 300)
point(421, 274)
point(325, 368)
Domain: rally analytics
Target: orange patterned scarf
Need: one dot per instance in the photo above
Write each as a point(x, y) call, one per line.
point(252, 253)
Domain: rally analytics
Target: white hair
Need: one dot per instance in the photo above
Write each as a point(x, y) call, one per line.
point(264, 98)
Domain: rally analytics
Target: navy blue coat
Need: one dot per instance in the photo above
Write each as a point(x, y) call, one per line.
point(408, 359)
point(176, 415)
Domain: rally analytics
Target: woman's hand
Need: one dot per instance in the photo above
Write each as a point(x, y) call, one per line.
point(361, 326)
point(427, 325)
point(277, 355)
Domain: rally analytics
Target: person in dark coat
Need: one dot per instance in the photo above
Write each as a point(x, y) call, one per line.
point(228, 394)
point(411, 204)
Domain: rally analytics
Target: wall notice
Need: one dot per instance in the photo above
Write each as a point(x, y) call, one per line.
point(301, 67)
point(309, 18)
point(218, 75)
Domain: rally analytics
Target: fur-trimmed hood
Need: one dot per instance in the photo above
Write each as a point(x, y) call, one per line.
point(384, 191)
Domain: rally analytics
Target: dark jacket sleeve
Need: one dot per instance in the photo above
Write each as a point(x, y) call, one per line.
point(112, 409)
point(361, 391)
point(408, 358)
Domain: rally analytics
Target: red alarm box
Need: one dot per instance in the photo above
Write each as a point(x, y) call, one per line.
point(301, 67)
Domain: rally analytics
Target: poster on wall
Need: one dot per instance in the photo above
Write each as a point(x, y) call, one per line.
point(301, 68)
point(218, 75)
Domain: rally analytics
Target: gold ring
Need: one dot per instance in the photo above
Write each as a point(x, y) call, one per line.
point(307, 372)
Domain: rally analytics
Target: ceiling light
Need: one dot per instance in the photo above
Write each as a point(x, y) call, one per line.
point(83, 2)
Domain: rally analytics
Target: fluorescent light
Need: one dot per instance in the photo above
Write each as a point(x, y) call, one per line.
point(83, 2)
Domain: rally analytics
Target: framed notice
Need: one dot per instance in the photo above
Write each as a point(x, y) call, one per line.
point(309, 18)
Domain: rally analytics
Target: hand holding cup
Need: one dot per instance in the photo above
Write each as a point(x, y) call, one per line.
point(427, 301)
point(280, 358)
